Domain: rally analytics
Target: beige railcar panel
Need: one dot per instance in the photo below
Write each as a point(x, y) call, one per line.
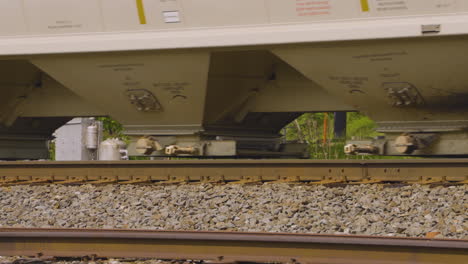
point(235, 78)
point(12, 20)
point(52, 17)
point(362, 73)
point(55, 100)
point(55, 24)
point(296, 97)
point(292, 92)
point(380, 8)
point(63, 16)
point(17, 79)
point(177, 80)
point(203, 13)
point(121, 15)
point(312, 10)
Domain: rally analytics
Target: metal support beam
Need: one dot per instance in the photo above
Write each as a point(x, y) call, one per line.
point(340, 124)
point(423, 171)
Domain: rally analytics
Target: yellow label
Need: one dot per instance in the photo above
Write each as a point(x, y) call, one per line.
point(141, 11)
point(365, 5)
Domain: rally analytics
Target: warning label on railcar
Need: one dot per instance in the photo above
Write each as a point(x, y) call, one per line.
point(391, 5)
point(313, 7)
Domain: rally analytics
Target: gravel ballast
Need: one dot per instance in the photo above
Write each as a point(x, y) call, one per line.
point(411, 211)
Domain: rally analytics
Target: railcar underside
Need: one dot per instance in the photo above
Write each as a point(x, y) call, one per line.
point(217, 85)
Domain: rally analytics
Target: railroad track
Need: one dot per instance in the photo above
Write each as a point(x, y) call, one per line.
point(420, 171)
point(229, 247)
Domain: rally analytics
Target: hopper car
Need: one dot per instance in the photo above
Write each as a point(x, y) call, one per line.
point(223, 77)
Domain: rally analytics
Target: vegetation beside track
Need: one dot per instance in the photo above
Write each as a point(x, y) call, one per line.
point(316, 129)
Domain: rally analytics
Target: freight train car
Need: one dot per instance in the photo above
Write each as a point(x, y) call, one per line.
point(222, 77)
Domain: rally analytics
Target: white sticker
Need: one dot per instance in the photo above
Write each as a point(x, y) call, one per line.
point(171, 16)
point(391, 5)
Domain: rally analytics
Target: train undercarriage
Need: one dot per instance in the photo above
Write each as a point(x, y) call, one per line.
point(221, 87)
point(235, 103)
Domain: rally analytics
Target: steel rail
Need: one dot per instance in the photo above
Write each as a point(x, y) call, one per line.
point(425, 171)
point(230, 247)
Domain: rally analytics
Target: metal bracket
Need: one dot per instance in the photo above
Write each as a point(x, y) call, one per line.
point(288, 179)
point(249, 180)
point(144, 100)
point(403, 94)
point(430, 29)
point(330, 180)
point(137, 180)
point(175, 180)
point(213, 179)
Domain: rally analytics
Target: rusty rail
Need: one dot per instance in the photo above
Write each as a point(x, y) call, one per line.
point(229, 247)
point(425, 171)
